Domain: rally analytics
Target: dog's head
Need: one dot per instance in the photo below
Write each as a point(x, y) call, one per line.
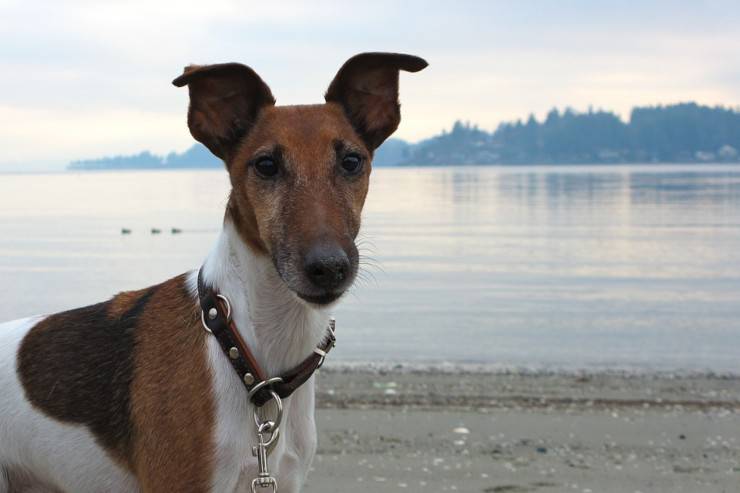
point(299, 174)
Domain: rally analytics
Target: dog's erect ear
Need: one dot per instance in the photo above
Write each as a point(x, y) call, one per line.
point(367, 88)
point(224, 102)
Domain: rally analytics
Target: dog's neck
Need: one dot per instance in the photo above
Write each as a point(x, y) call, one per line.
point(280, 329)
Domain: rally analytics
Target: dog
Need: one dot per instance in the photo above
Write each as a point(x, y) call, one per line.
point(204, 383)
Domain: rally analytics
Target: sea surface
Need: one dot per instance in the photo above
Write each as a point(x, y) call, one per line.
point(582, 267)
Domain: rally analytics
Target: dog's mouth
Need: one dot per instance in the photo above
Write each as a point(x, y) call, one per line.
point(320, 299)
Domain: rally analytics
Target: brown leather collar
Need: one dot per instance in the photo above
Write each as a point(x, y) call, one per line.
point(216, 315)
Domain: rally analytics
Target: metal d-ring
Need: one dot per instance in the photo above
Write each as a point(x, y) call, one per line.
point(274, 396)
point(268, 425)
point(265, 383)
point(228, 312)
point(203, 321)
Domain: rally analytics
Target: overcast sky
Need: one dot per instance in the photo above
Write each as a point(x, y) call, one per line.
point(82, 79)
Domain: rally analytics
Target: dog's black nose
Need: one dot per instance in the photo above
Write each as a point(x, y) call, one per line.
point(327, 267)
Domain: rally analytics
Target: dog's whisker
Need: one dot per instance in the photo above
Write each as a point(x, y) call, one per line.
point(370, 266)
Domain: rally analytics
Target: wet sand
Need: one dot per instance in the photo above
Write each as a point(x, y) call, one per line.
point(406, 430)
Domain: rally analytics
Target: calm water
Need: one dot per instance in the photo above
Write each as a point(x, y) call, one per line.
point(578, 267)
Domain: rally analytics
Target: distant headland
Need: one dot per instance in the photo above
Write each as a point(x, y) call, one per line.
point(679, 133)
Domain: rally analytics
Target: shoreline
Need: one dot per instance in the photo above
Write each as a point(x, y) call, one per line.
point(512, 432)
point(474, 368)
point(345, 387)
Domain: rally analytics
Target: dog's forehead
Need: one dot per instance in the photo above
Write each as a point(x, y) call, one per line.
point(302, 130)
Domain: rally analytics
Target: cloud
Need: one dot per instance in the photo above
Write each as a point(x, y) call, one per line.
point(89, 78)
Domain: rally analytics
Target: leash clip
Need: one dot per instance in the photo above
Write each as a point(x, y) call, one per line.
point(264, 479)
point(265, 445)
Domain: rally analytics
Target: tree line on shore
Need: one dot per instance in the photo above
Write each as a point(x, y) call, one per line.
point(679, 133)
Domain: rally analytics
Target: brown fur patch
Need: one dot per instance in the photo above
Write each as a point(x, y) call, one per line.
point(172, 403)
point(232, 111)
point(133, 370)
point(117, 306)
point(76, 367)
point(311, 199)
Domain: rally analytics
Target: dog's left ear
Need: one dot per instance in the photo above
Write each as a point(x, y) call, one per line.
point(367, 88)
point(225, 100)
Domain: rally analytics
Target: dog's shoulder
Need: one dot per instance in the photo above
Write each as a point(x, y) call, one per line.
point(80, 366)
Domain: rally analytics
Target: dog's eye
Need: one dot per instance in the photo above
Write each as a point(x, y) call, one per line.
point(352, 163)
point(266, 167)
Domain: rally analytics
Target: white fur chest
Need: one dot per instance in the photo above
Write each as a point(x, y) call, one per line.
point(235, 434)
point(281, 331)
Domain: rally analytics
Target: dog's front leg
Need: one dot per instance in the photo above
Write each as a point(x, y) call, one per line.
point(173, 405)
point(179, 459)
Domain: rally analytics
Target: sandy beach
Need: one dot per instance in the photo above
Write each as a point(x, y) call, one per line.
point(405, 429)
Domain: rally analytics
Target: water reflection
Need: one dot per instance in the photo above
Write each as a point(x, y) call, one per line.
point(550, 256)
point(691, 188)
point(537, 266)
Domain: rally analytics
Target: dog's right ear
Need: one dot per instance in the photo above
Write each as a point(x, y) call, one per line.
point(225, 100)
point(367, 88)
